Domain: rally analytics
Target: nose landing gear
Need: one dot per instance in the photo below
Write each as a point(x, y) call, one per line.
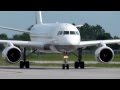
point(65, 65)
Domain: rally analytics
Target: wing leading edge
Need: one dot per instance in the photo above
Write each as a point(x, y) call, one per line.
point(14, 29)
point(22, 43)
point(41, 44)
point(97, 42)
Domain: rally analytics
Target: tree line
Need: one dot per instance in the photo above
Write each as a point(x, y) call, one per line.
point(87, 32)
point(96, 32)
point(23, 37)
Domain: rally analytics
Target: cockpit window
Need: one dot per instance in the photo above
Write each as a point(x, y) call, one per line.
point(72, 32)
point(66, 32)
point(77, 32)
point(60, 32)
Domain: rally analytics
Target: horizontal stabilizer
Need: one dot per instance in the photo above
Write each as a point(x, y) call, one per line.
point(78, 26)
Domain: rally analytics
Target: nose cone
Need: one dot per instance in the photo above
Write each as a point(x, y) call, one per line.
point(73, 40)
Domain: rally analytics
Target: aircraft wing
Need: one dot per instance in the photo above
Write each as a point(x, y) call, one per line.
point(98, 42)
point(22, 43)
point(14, 29)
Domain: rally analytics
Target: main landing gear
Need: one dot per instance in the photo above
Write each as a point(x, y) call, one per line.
point(65, 65)
point(79, 63)
point(24, 63)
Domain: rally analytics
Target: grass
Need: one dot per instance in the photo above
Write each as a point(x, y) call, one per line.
point(59, 57)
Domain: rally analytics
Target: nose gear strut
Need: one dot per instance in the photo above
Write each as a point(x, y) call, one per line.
point(65, 65)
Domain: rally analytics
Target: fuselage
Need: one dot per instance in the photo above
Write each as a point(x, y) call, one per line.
point(59, 36)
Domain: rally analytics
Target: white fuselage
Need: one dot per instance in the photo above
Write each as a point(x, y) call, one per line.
point(59, 36)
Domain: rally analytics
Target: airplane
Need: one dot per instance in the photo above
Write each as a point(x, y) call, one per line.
point(54, 37)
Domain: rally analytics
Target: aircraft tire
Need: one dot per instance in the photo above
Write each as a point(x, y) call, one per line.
point(67, 66)
point(63, 66)
point(76, 65)
point(27, 64)
point(21, 64)
point(82, 65)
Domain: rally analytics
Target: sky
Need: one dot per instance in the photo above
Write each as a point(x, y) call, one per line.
point(109, 20)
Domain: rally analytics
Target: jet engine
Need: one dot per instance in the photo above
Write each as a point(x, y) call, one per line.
point(104, 54)
point(11, 54)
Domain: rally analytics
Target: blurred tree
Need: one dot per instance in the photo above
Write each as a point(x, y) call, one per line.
point(24, 37)
point(3, 36)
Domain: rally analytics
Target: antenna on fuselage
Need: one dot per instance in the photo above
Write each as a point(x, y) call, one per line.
point(38, 17)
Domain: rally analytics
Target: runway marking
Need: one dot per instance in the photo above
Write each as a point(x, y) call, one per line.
point(11, 71)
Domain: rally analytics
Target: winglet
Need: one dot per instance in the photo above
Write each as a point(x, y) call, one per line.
point(39, 17)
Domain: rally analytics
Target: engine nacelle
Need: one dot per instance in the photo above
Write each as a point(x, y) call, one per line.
point(104, 54)
point(11, 54)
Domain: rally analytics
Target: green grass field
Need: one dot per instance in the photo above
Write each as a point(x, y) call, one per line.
point(59, 57)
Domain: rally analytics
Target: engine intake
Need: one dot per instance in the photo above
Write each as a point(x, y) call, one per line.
point(11, 54)
point(104, 54)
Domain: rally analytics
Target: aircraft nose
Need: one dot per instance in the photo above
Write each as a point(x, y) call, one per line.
point(73, 40)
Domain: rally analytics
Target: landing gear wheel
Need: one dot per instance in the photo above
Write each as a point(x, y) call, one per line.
point(27, 64)
point(63, 66)
point(24, 64)
point(82, 65)
point(21, 64)
point(79, 64)
point(76, 65)
point(67, 66)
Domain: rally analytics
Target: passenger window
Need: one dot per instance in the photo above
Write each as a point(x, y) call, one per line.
point(72, 32)
point(66, 32)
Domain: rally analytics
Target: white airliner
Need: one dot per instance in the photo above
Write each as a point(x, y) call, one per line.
point(55, 37)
